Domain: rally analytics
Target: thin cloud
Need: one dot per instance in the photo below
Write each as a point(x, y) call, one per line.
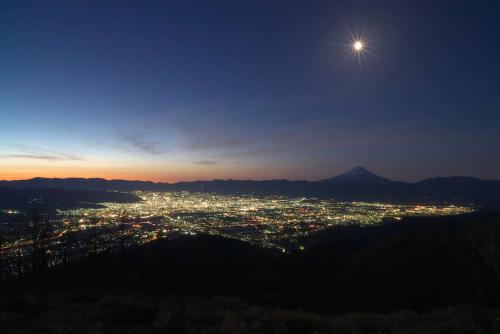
point(33, 156)
point(36, 153)
point(203, 142)
point(205, 162)
point(143, 144)
point(41, 157)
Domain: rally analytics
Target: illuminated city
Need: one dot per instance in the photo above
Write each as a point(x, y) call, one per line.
point(274, 167)
point(262, 221)
point(270, 222)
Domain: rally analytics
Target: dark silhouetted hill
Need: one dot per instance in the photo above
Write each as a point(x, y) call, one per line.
point(358, 184)
point(85, 184)
point(48, 199)
point(358, 176)
point(418, 265)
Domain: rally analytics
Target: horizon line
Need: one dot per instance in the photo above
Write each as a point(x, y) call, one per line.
point(228, 179)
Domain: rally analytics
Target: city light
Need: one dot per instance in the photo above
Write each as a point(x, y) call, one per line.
point(269, 222)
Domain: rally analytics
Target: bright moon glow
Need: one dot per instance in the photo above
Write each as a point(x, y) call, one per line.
point(358, 45)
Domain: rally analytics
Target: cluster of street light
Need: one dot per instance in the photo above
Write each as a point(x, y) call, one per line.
point(264, 221)
point(270, 222)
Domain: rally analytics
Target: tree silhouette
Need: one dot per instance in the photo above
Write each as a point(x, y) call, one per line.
point(67, 248)
point(93, 241)
point(18, 253)
point(124, 220)
point(487, 246)
point(1, 253)
point(39, 238)
point(35, 238)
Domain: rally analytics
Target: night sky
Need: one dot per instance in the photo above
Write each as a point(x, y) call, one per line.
point(167, 90)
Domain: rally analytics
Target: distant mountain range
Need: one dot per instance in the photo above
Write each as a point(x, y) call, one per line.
point(357, 184)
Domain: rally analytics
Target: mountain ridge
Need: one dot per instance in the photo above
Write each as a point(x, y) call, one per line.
point(346, 173)
point(357, 184)
point(358, 175)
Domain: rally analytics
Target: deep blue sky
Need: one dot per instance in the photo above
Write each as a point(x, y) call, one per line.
point(181, 90)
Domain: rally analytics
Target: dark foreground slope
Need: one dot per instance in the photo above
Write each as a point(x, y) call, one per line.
point(49, 199)
point(175, 286)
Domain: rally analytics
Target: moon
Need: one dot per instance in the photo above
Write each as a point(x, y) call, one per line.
point(358, 46)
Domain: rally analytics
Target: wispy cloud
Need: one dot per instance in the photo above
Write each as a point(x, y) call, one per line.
point(205, 162)
point(32, 152)
point(213, 143)
point(143, 144)
point(32, 156)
